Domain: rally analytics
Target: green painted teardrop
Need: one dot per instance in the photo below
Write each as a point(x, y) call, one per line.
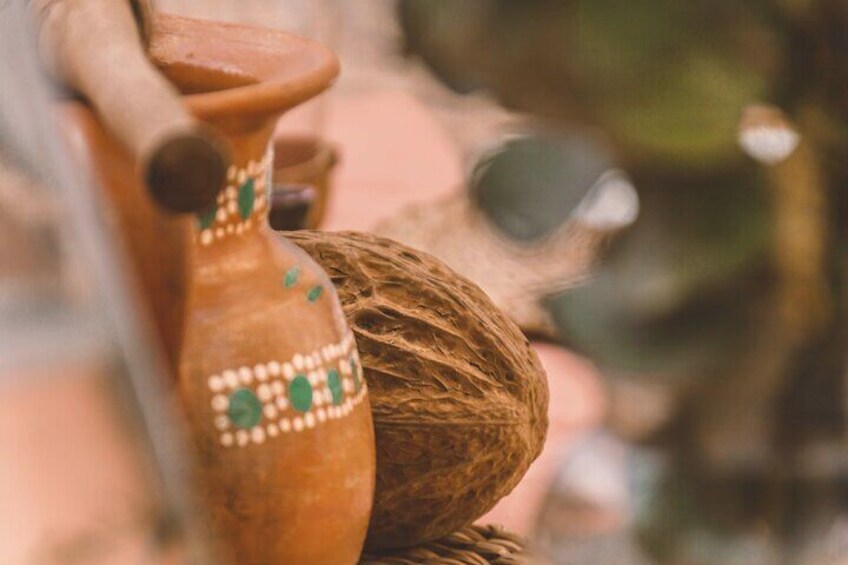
point(314, 293)
point(246, 197)
point(206, 218)
point(335, 384)
point(292, 275)
point(300, 393)
point(357, 377)
point(245, 409)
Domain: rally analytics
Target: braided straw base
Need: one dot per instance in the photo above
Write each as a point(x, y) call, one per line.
point(474, 545)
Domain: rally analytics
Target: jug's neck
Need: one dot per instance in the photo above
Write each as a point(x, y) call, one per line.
point(241, 208)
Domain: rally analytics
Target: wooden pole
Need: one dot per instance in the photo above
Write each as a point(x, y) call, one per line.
point(95, 47)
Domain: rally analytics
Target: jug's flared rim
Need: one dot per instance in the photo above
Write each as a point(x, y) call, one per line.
point(231, 71)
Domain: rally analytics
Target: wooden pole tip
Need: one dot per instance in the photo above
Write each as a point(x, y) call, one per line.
point(186, 171)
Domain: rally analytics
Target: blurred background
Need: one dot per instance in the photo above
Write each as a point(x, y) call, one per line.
point(654, 192)
point(693, 335)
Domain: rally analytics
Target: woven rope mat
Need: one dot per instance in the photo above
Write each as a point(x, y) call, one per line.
point(474, 545)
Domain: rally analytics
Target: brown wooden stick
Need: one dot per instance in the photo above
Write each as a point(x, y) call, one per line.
point(737, 414)
point(95, 47)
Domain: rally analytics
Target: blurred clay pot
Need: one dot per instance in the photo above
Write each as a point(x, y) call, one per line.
point(268, 369)
point(306, 161)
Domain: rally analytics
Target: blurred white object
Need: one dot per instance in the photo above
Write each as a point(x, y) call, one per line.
point(596, 472)
point(766, 135)
point(516, 275)
point(611, 204)
point(588, 514)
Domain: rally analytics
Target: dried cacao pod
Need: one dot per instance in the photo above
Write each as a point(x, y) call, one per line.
point(458, 395)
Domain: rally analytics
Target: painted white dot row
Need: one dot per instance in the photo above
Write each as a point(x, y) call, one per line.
point(208, 236)
point(231, 209)
point(308, 421)
point(272, 407)
point(228, 199)
point(272, 394)
point(265, 372)
point(252, 168)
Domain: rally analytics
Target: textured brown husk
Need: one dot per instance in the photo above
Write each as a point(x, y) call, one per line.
point(458, 395)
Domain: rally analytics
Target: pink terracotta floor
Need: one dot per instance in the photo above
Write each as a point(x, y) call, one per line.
point(393, 153)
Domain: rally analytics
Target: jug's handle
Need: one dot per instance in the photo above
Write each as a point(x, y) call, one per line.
point(96, 48)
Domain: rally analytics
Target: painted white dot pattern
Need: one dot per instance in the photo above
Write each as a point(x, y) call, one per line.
point(284, 411)
point(220, 403)
point(245, 375)
point(216, 383)
point(245, 193)
point(230, 378)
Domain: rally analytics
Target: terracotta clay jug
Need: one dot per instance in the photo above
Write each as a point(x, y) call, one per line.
point(267, 368)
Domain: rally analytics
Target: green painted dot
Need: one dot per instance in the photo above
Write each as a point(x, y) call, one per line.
point(300, 393)
point(335, 384)
point(207, 217)
point(246, 196)
point(291, 276)
point(245, 409)
point(315, 293)
point(354, 369)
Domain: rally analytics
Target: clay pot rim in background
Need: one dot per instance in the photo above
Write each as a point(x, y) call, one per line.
point(306, 161)
point(306, 157)
point(230, 71)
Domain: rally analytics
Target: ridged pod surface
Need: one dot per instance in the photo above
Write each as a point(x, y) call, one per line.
point(459, 397)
